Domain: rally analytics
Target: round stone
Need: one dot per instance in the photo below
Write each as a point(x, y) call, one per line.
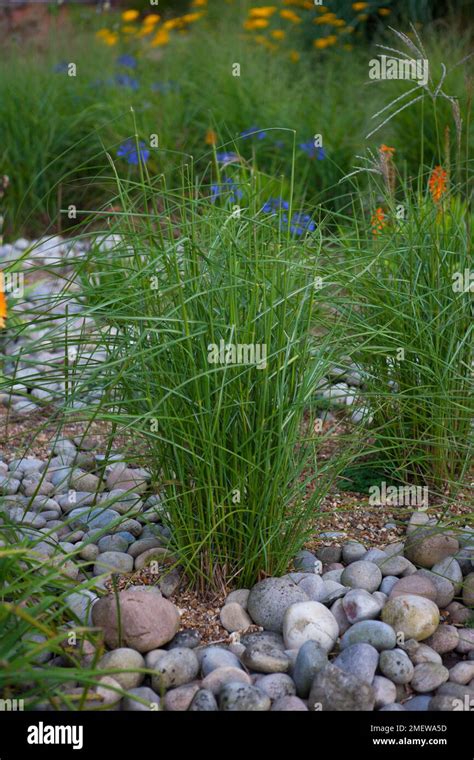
point(352, 552)
point(264, 658)
point(462, 673)
point(114, 543)
point(241, 697)
point(341, 618)
point(217, 657)
point(276, 685)
point(444, 639)
point(385, 691)
point(414, 616)
point(422, 653)
point(289, 704)
point(180, 698)
point(449, 568)
point(141, 699)
point(146, 620)
point(176, 667)
point(360, 660)
point(396, 665)
point(203, 701)
point(190, 638)
point(310, 660)
point(465, 644)
point(395, 565)
point(428, 545)
point(364, 575)
point(379, 635)
point(360, 605)
point(444, 588)
point(269, 600)
point(240, 595)
point(428, 676)
point(314, 586)
point(416, 585)
point(333, 689)
point(113, 562)
point(127, 660)
point(233, 617)
point(218, 678)
point(305, 621)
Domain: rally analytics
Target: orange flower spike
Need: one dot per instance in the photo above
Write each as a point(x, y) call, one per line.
point(378, 221)
point(438, 183)
point(387, 150)
point(3, 302)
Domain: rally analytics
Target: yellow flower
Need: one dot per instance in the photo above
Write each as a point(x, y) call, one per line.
point(328, 18)
point(332, 39)
point(151, 19)
point(278, 34)
point(322, 9)
point(359, 6)
point(294, 56)
point(384, 11)
point(339, 22)
point(188, 18)
point(290, 16)
point(263, 12)
point(130, 15)
point(320, 44)
point(255, 23)
point(109, 38)
point(363, 16)
point(161, 38)
point(211, 137)
point(199, 3)
point(170, 24)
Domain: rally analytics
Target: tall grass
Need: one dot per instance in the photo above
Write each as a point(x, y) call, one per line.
point(229, 443)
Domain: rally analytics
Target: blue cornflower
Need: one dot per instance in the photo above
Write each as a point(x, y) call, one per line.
point(132, 153)
point(227, 157)
point(301, 223)
point(272, 205)
point(252, 132)
point(125, 80)
point(227, 187)
point(127, 60)
point(312, 151)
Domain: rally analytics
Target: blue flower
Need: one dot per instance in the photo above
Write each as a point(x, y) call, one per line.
point(125, 80)
point(301, 223)
point(312, 151)
point(227, 157)
point(228, 188)
point(272, 205)
point(253, 132)
point(133, 153)
point(127, 60)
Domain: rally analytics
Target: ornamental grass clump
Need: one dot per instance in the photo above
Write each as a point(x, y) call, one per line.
point(206, 311)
